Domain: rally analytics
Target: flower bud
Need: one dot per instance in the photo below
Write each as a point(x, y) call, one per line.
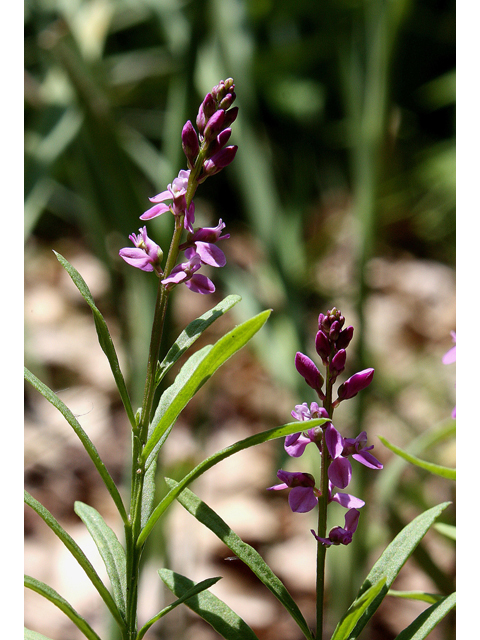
point(337, 365)
point(230, 116)
point(206, 111)
point(214, 125)
point(190, 143)
point(344, 338)
point(323, 347)
point(218, 162)
point(309, 371)
point(356, 383)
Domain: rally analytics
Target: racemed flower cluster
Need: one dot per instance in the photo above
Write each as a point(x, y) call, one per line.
point(207, 153)
point(331, 343)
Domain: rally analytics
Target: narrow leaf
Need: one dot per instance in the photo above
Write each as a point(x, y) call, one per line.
point(439, 470)
point(112, 552)
point(392, 560)
point(428, 619)
point(195, 377)
point(78, 554)
point(200, 586)
point(247, 554)
point(447, 530)
point(431, 598)
point(219, 615)
point(251, 441)
point(28, 634)
point(104, 337)
point(355, 612)
point(52, 397)
point(192, 332)
point(50, 594)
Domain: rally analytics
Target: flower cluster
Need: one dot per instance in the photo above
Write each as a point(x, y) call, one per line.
point(331, 343)
point(206, 154)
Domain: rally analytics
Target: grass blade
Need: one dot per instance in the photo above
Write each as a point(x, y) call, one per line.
point(437, 469)
point(428, 619)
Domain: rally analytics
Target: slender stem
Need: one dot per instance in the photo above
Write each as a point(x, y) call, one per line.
point(322, 512)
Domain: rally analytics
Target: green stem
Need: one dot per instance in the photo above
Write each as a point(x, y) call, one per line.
point(322, 512)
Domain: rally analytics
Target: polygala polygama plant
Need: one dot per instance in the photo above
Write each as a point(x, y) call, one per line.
point(206, 154)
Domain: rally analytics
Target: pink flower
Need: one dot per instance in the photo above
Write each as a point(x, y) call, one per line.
point(204, 242)
point(340, 535)
point(175, 192)
point(146, 256)
point(186, 273)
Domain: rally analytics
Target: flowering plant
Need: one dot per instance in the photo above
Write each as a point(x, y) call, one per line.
point(207, 153)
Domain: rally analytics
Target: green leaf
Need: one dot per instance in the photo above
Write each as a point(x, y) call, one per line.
point(355, 612)
point(192, 378)
point(219, 615)
point(112, 552)
point(431, 598)
point(191, 333)
point(200, 586)
point(50, 594)
point(78, 554)
point(104, 337)
point(208, 463)
point(247, 554)
point(392, 560)
point(444, 472)
point(447, 530)
point(28, 634)
point(428, 619)
point(49, 395)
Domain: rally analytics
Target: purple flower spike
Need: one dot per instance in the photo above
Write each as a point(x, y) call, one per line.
point(340, 535)
point(146, 256)
point(353, 385)
point(309, 371)
point(302, 497)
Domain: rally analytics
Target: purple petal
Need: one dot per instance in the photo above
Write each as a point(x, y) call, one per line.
point(334, 441)
point(324, 541)
point(348, 501)
point(450, 356)
point(136, 258)
point(210, 254)
point(351, 520)
point(340, 472)
point(155, 211)
point(277, 487)
point(296, 446)
point(302, 499)
point(200, 284)
point(366, 458)
point(160, 197)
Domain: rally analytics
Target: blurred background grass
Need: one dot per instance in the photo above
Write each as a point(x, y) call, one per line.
point(342, 193)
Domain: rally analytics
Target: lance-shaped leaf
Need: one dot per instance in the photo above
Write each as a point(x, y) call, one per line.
point(428, 619)
point(200, 586)
point(247, 554)
point(112, 552)
point(50, 594)
point(213, 610)
point(52, 397)
point(208, 463)
point(78, 554)
point(355, 612)
point(392, 560)
point(423, 596)
point(439, 470)
point(194, 377)
point(104, 337)
point(191, 333)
